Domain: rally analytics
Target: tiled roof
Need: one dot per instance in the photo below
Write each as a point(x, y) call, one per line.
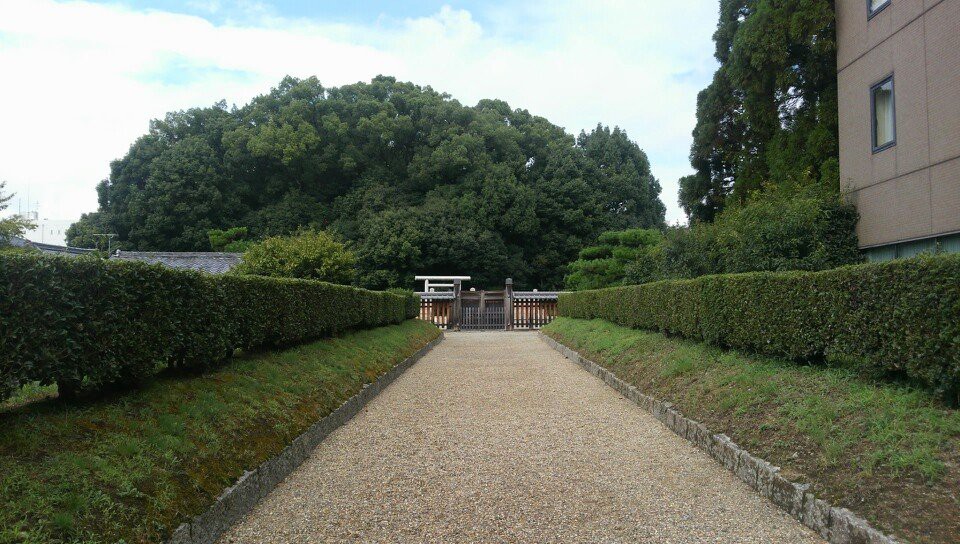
point(17, 241)
point(537, 295)
point(51, 249)
point(209, 262)
point(61, 250)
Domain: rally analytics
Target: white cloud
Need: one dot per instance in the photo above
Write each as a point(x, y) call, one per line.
point(80, 81)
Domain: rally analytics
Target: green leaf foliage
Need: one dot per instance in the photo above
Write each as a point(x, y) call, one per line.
point(89, 233)
point(10, 226)
point(899, 318)
point(232, 240)
point(307, 255)
point(833, 428)
point(87, 324)
point(415, 181)
point(614, 260)
point(774, 231)
point(133, 467)
point(770, 113)
point(791, 228)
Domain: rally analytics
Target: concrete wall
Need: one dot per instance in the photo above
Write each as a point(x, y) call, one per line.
point(910, 190)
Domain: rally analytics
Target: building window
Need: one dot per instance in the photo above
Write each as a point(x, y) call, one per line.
point(883, 115)
point(876, 6)
point(949, 243)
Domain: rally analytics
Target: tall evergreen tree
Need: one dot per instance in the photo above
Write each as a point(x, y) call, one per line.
point(769, 115)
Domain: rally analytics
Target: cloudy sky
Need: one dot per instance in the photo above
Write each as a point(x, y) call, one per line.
point(80, 80)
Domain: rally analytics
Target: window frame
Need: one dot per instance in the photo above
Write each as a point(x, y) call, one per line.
point(871, 12)
point(873, 114)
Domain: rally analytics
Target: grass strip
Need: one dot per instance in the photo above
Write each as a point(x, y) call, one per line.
point(889, 452)
point(131, 468)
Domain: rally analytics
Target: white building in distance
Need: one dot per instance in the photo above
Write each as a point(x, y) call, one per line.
point(48, 231)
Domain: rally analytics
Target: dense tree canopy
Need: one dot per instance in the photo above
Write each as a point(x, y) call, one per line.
point(770, 113)
point(412, 179)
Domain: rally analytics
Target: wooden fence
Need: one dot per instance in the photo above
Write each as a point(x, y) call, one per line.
point(436, 309)
point(532, 310)
point(489, 310)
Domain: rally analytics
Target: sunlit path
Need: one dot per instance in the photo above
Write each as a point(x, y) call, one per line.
point(494, 437)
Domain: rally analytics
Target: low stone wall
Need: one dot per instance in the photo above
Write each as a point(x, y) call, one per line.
point(238, 500)
point(836, 525)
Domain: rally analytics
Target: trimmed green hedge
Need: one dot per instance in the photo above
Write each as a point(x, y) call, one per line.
point(901, 317)
point(94, 325)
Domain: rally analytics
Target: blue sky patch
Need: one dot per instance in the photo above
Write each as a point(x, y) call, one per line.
point(181, 71)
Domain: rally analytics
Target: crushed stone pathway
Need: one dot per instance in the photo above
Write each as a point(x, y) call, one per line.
point(495, 437)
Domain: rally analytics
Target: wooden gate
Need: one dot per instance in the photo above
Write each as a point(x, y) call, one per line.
point(489, 310)
point(483, 310)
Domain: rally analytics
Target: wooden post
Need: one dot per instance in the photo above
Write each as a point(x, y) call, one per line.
point(508, 305)
point(457, 307)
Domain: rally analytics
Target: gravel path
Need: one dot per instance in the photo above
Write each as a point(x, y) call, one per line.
point(495, 437)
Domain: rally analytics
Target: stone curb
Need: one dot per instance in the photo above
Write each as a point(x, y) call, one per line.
point(835, 525)
point(254, 485)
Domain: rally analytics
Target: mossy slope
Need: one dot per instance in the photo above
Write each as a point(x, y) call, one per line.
point(132, 467)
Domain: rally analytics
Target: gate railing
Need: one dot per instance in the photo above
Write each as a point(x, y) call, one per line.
point(489, 310)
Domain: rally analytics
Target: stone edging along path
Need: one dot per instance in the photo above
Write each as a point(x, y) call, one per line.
point(836, 525)
point(238, 500)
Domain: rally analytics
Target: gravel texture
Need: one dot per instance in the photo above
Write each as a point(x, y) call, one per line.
point(495, 437)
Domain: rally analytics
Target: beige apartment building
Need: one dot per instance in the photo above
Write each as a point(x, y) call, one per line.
point(898, 67)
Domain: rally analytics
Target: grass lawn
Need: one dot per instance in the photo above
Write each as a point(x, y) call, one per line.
point(131, 468)
point(888, 452)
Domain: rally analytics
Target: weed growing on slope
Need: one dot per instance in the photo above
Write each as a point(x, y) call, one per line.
point(888, 451)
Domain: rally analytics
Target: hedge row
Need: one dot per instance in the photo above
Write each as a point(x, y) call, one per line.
point(901, 317)
point(92, 324)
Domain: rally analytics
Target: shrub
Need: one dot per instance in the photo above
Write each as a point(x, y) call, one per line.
point(646, 267)
point(91, 324)
point(690, 252)
point(612, 261)
point(413, 300)
point(308, 255)
point(279, 312)
point(777, 231)
point(900, 318)
point(786, 229)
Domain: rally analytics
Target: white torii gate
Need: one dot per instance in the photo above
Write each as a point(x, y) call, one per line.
point(428, 287)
